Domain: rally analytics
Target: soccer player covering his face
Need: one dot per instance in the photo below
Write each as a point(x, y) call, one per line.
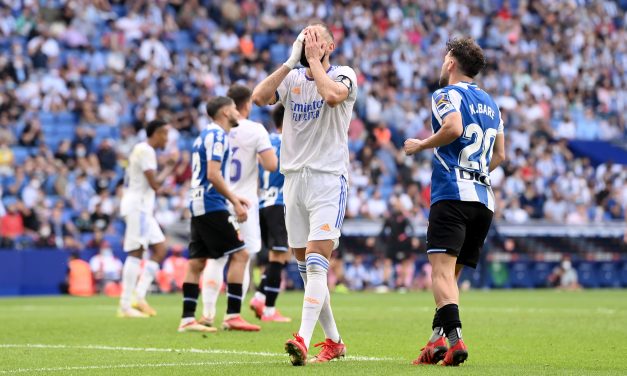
point(318, 103)
point(468, 144)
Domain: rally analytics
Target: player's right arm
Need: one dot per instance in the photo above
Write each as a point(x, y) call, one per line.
point(214, 175)
point(267, 91)
point(155, 181)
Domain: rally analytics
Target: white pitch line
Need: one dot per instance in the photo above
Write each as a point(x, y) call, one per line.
point(119, 366)
point(356, 358)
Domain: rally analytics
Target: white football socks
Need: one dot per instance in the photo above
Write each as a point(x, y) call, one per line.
point(145, 280)
point(246, 281)
point(326, 319)
point(130, 273)
point(212, 278)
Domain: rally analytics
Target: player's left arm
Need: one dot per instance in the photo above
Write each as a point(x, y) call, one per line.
point(268, 160)
point(498, 151)
point(450, 131)
point(498, 154)
point(265, 152)
point(155, 180)
point(149, 166)
point(333, 92)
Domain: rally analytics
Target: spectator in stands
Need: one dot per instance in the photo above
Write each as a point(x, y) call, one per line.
point(79, 193)
point(11, 226)
point(532, 202)
point(32, 193)
point(106, 268)
point(64, 153)
point(96, 241)
point(83, 222)
point(6, 159)
point(107, 158)
point(58, 232)
point(356, 274)
point(109, 111)
point(31, 135)
point(579, 216)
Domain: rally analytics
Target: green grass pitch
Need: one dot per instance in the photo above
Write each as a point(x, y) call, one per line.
point(508, 333)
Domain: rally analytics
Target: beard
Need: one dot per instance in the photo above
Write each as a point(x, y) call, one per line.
point(234, 122)
point(303, 58)
point(443, 80)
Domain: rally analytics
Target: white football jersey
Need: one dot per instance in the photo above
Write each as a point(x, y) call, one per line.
point(247, 140)
point(315, 135)
point(138, 194)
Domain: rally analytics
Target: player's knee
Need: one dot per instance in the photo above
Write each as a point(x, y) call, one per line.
point(196, 266)
point(239, 257)
point(321, 247)
point(317, 264)
point(438, 273)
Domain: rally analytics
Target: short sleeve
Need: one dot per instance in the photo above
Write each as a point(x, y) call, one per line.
point(347, 77)
point(445, 102)
point(283, 90)
point(263, 140)
point(148, 159)
point(214, 145)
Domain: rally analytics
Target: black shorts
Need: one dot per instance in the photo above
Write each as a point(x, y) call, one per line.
point(458, 228)
point(214, 235)
point(273, 230)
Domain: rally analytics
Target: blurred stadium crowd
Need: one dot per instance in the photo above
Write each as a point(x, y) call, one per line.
point(80, 79)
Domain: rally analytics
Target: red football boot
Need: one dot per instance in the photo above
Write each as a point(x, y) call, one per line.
point(257, 306)
point(238, 323)
point(456, 355)
point(297, 350)
point(432, 353)
point(330, 350)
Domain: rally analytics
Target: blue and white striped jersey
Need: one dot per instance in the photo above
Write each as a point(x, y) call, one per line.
point(271, 183)
point(460, 169)
point(211, 145)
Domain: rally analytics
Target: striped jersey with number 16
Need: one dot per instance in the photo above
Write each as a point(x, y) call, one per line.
point(211, 145)
point(460, 169)
point(271, 183)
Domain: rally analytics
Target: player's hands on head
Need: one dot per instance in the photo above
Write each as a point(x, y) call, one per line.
point(315, 46)
point(413, 146)
point(297, 49)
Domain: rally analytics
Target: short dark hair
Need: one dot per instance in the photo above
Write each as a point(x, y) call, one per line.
point(152, 127)
point(468, 54)
point(216, 103)
point(240, 94)
point(277, 116)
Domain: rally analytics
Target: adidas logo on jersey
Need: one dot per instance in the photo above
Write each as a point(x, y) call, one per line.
point(325, 227)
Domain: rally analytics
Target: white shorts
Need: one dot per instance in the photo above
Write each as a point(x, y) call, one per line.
point(142, 230)
point(315, 204)
point(250, 231)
